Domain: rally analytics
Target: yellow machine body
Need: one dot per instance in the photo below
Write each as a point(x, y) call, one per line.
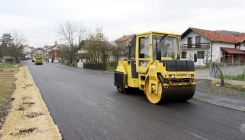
point(154, 66)
point(37, 59)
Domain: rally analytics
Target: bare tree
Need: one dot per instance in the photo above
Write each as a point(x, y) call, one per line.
point(13, 48)
point(207, 58)
point(71, 33)
point(97, 47)
point(120, 51)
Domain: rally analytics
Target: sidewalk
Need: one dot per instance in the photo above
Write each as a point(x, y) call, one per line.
point(220, 100)
point(217, 99)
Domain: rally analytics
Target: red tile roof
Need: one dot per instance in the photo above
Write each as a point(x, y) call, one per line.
point(240, 38)
point(124, 38)
point(216, 36)
point(232, 50)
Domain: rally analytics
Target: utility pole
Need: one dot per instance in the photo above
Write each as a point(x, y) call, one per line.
point(55, 50)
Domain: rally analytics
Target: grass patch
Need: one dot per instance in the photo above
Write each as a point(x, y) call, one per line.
point(236, 87)
point(240, 77)
point(9, 67)
point(7, 81)
point(109, 68)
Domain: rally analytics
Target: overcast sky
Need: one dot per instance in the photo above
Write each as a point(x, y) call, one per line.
point(38, 19)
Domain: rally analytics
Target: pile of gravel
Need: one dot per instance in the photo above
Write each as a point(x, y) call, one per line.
point(205, 85)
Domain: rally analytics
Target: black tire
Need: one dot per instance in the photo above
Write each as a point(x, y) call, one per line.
point(120, 89)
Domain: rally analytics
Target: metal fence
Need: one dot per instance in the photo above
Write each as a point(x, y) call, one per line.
point(216, 72)
point(221, 70)
point(232, 69)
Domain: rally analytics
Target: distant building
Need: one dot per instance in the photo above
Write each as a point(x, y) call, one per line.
point(212, 46)
point(124, 40)
point(26, 50)
point(121, 47)
point(80, 54)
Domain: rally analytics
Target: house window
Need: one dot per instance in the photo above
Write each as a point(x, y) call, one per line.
point(200, 54)
point(189, 42)
point(198, 41)
point(184, 55)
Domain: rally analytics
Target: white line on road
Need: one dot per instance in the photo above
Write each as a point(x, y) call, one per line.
point(242, 128)
point(197, 136)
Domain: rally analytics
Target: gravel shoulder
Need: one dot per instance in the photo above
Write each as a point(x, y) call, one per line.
point(29, 117)
point(207, 86)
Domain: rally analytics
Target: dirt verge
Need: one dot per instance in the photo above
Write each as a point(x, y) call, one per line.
point(29, 117)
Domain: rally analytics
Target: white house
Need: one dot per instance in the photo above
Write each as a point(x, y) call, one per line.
point(26, 50)
point(214, 46)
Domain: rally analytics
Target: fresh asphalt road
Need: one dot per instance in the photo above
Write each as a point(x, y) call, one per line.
point(86, 105)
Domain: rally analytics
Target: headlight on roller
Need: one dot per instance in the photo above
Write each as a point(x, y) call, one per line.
point(171, 75)
point(190, 75)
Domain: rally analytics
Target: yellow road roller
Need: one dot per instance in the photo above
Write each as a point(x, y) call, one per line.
point(37, 58)
point(154, 66)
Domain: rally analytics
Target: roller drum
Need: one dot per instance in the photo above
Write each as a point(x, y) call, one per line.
point(175, 94)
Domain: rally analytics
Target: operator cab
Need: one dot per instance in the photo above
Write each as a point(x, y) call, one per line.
point(165, 46)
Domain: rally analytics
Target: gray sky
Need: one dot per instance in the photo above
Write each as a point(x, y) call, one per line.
point(38, 19)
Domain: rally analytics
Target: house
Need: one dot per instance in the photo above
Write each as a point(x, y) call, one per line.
point(122, 44)
point(124, 40)
point(52, 52)
point(54, 55)
point(101, 50)
point(215, 46)
point(26, 50)
point(47, 49)
point(8, 60)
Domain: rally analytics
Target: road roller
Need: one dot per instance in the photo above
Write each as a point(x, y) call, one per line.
point(37, 59)
point(154, 66)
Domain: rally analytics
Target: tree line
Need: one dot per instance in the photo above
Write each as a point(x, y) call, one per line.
point(94, 44)
point(75, 37)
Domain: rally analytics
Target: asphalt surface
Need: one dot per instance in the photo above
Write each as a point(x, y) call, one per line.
point(86, 105)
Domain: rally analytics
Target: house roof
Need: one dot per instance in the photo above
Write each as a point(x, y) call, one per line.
point(38, 50)
point(215, 36)
point(232, 50)
point(240, 38)
point(124, 38)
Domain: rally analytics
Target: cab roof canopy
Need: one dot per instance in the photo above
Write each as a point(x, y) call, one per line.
point(158, 33)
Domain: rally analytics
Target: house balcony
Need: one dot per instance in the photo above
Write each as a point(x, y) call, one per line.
point(196, 46)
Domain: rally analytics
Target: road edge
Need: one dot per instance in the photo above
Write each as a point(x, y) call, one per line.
point(236, 107)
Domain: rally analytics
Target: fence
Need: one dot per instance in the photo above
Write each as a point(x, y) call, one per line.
point(232, 69)
point(113, 64)
point(216, 72)
point(95, 66)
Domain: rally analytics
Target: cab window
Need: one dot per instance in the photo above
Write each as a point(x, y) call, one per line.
point(144, 47)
